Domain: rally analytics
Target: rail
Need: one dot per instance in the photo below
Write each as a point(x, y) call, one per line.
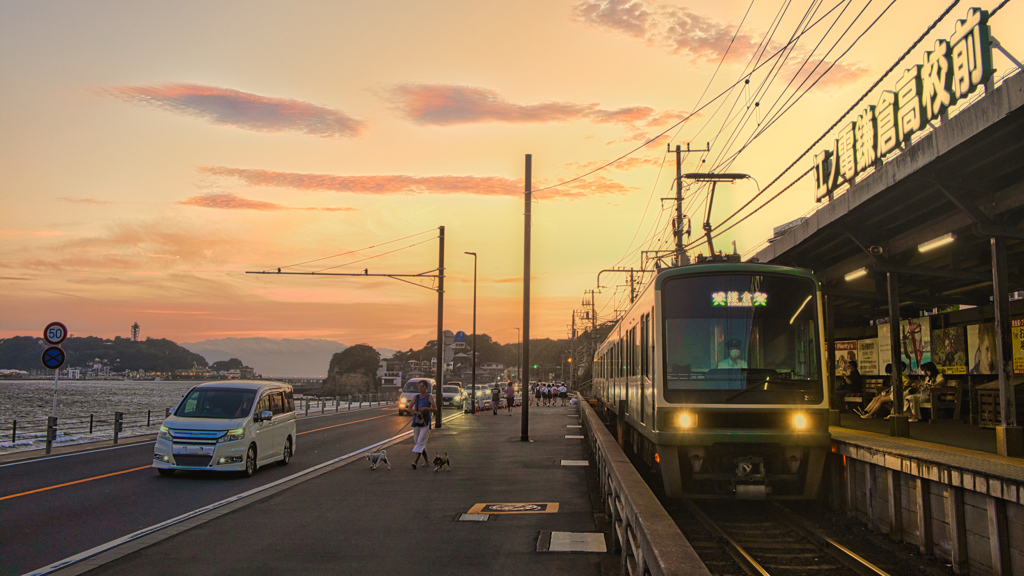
point(649, 540)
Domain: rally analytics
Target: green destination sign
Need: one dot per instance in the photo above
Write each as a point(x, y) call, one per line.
point(947, 74)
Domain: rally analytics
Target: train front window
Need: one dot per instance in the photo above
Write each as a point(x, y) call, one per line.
point(742, 339)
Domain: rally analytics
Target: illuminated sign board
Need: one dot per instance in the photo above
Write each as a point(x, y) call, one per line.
point(739, 299)
point(946, 75)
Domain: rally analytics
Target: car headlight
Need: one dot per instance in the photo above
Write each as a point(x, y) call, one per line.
point(401, 401)
point(688, 420)
point(164, 433)
point(800, 421)
point(232, 435)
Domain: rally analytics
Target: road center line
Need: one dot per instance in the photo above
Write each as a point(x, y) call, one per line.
point(343, 424)
point(75, 482)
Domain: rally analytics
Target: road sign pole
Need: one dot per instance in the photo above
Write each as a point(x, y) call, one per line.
point(56, 374)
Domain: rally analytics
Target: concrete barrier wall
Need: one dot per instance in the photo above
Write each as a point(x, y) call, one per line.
point(649, 540)
point(971, 519)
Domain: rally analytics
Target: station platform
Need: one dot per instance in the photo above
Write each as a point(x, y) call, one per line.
point(505, 507)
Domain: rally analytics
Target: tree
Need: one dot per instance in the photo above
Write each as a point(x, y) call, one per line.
point(223, 365)
point(359, 360)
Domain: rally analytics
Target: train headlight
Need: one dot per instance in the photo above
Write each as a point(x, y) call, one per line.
point(800, 421)
point(687, 420)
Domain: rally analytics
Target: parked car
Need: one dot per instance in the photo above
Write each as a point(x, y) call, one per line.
point(452, 395)
point(411, 389)
point(228, 426)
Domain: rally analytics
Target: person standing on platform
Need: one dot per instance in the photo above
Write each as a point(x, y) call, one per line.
point(933, 378)
point(422, 407)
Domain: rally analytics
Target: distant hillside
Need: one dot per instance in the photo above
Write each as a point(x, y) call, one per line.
point(306, 358)
point(120, 354)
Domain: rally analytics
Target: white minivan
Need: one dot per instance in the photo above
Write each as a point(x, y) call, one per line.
point(410, 391)
point(236, 425)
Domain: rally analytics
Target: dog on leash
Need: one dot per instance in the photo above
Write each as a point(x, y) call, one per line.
point(377, 458)
point(442, 463)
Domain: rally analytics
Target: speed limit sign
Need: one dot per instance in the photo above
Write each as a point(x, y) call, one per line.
point(55, 333)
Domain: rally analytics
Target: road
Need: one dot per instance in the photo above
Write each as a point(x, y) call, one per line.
point(53, 508)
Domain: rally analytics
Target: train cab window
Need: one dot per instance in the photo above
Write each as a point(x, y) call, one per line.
point(741, 338)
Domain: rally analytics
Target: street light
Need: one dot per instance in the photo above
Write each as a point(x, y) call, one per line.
point(473, 379)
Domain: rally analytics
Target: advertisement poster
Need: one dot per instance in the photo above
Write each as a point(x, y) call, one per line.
point(884, 348)
point(915, 343)
point(949, 350)
point(846, 352)
point(867, 350)
point(981, 346)
point(1017, 336)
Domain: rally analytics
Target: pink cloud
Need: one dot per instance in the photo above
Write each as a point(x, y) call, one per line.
point(233, 202)
point(408, 185)
point(243, 110)
point(448, 105)
point(682, 31)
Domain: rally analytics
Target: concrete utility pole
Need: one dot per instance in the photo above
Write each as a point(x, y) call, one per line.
point(681, 258)
point(525, 435)
point(438, 396)
point(473, 378)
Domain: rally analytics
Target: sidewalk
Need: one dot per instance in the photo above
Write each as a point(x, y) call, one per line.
point(353, 520)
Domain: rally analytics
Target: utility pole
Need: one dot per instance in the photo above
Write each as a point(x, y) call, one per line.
point(439, 397)
point(525, 435)
point(681, 258)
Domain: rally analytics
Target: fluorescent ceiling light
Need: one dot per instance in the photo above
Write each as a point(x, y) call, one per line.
point(936, 242)
point(856, 274)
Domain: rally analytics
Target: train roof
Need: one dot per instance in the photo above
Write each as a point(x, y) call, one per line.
point(727, 267)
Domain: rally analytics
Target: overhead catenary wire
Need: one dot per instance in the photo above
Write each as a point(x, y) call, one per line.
point(359, 249)
point(839, 120)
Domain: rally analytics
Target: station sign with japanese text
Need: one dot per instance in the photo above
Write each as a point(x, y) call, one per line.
point(948, 74)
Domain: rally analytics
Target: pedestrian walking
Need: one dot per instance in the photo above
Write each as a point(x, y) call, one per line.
point(510, 397)
point(537, 393)
point(495, 398)
point(423, 407)
point(563, 394)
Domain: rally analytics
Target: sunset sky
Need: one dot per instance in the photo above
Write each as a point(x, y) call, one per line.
point(153, 153)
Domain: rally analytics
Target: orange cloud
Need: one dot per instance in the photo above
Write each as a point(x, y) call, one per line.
point(233, 202)
point(399, 184)
point(243, 110)
point(90, 201)
point(448, 105)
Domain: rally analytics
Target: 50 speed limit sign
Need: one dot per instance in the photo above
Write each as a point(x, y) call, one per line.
point(55, 333)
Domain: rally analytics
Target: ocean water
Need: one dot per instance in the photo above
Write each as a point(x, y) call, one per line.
point(31, 401)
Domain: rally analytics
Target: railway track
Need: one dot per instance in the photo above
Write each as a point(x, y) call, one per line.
point(766, 539)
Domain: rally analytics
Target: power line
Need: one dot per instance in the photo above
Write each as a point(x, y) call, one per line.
point(359, 249)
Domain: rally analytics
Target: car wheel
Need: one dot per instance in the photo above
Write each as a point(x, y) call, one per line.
point(250, 461)
point(287, 455)
point(165, 471)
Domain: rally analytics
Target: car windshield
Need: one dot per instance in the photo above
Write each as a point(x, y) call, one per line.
point(226, 403)
point(412, 386)
point(451, 389)
point(741, 338)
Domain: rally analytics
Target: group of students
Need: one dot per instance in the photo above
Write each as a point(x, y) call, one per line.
point(914, 392)
point(548, 394)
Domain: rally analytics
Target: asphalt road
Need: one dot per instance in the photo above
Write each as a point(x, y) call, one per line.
point(53, 508)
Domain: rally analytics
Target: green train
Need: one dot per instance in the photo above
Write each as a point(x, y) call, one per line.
point(715, 377)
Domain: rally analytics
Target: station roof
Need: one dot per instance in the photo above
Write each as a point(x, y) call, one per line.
point(966, 176)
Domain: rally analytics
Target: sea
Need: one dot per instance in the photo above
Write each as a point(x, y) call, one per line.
point(31, 401)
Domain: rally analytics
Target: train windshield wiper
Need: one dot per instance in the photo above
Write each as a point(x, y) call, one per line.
point(749, 387)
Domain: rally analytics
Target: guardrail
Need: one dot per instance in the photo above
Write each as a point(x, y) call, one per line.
point(649, 540)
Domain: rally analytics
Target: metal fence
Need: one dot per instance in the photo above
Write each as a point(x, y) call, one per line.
point(648, 539)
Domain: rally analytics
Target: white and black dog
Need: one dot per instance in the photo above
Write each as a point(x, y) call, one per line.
point(377, 458)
